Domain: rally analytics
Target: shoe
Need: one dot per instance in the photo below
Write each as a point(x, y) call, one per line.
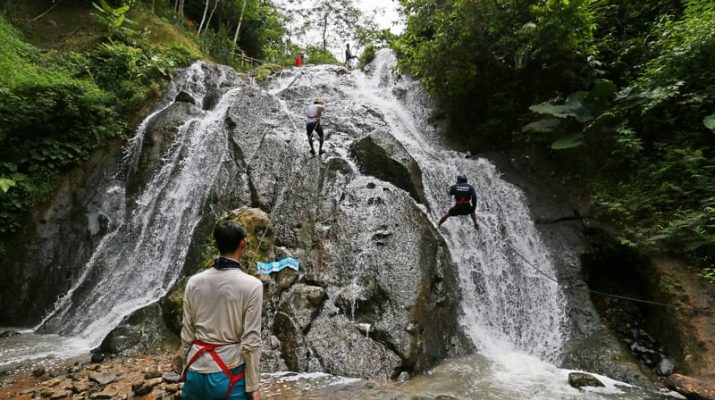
point(312, 151)
point(476, 226)
point(321, 152)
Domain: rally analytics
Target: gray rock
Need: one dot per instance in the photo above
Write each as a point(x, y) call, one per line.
point(666, 367)
point(97, 357)
point(38, 372)
point(8, 334)
point(580, 380)
point(382, 156)
point(102, 379)
point(184, 97)
point(171, 377)
point(143, 330)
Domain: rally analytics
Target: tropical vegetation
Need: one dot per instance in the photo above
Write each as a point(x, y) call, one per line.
point(620, 95)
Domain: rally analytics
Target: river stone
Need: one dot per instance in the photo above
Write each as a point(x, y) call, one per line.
point(97, 357)
point(171, 377)
point(106, 394)
point(666, 366)
point(38, 372)
point(8, 334)
point(102, 379)
point(60, 394)
point(381, 155)
point(580, 380)
point(693, 388)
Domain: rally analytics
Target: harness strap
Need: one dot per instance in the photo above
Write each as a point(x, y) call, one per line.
point(462, 201)
point(211, 349)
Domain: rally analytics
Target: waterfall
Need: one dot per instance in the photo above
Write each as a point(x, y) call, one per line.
point(507, 305)
point(141, 257)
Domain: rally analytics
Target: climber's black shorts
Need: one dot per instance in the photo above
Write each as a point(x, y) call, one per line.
point(460, 209)
point(314, 126)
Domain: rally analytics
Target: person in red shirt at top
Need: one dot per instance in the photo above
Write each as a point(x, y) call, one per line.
point(298, 61)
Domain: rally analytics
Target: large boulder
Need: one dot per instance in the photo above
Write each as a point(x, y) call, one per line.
point(693, 388)
point(141, 332)
point(379, 154)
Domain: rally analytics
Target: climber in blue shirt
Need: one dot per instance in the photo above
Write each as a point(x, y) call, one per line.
point(466, 201)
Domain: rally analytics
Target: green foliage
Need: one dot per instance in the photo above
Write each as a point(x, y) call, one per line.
point(264, 71)
point(316, 55)
point(620, 93)
point(114, 18)
point(57, 109)
point(367, 55)
point(516, 50)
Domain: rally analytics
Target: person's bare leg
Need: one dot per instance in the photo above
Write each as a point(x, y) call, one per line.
point(441, 220)
point(310, 142)
point(474, 219)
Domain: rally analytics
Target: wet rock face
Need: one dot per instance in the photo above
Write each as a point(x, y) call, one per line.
point(142, 332)
point(591, 346)
point(39, 265)
point(383, 157)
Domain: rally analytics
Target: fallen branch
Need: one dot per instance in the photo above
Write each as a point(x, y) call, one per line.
point(46, 12)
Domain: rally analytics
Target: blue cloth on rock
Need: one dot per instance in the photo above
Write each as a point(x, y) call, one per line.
point(276, 266)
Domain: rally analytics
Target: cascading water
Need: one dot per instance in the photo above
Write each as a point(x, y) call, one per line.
point(143, 253)
point(507, 305)
point(514, 316)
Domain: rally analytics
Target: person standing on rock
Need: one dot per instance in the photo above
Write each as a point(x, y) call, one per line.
point(466, 201)
point(221, 328)
point(312, 123)
point(349, 57)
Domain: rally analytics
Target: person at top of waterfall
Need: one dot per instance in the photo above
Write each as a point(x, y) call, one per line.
point(349, 56)
point(465, 201)
point(298, 61)
point(221, 328)
point(312, 123)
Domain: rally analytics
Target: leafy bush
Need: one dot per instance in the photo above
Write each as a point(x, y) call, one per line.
point(368, 54)
point(316, 55)
point(56, 110)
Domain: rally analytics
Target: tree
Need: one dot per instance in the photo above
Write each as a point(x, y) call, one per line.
point(240, 20)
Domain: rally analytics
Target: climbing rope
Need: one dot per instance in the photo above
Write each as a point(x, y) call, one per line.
point(655, 303)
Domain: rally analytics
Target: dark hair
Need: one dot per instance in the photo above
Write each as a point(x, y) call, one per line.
point(461, 179)
point(228, 235)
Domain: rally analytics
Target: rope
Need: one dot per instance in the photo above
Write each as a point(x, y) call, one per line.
point(655, 303)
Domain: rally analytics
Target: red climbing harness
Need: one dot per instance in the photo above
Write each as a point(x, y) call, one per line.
point(211, 349)
point(463, 201)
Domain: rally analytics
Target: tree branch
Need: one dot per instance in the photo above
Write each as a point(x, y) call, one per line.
point(46, 12)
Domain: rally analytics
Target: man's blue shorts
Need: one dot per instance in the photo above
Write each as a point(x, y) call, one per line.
point(213, 386)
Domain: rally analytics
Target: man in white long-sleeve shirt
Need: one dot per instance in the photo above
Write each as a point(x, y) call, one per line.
point(312, 123)
point(221, 329)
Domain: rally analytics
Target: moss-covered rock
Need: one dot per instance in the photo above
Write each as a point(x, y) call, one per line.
point(261, 240)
